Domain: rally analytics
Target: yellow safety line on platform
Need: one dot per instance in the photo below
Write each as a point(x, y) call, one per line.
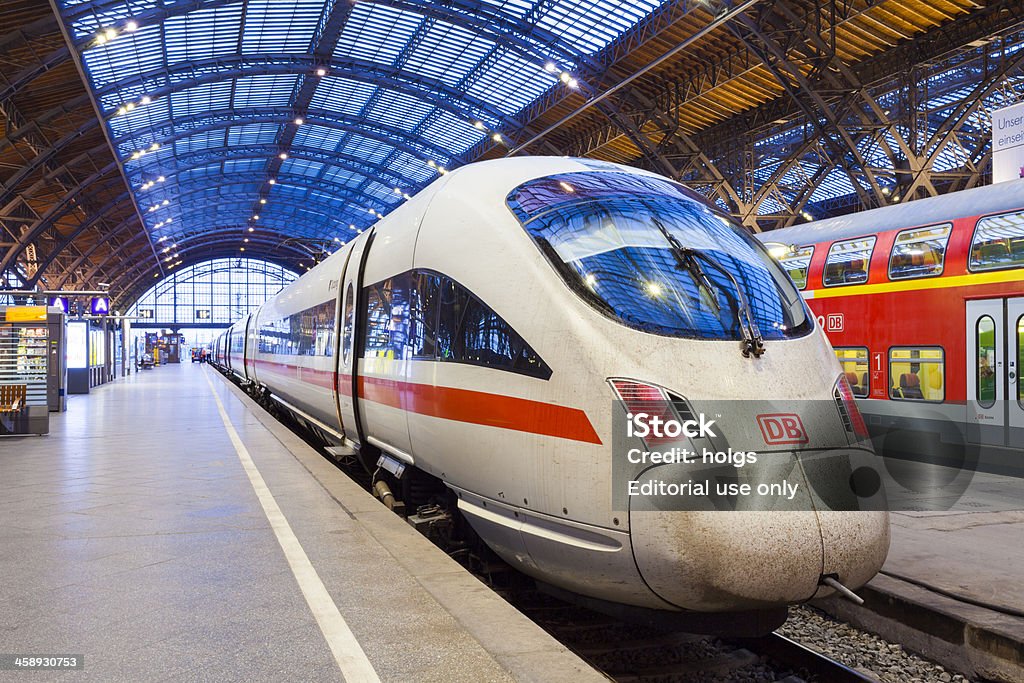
point(348, 654)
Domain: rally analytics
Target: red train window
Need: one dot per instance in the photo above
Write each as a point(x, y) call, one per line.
point(998, 242)
point(919, 252)
point(847, 262)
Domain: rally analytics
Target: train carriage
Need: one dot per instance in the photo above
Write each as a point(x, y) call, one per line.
point(484, 332)
point(924, 305)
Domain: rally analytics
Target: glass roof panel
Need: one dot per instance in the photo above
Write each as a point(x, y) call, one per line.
point(276, 26)
point(206, 63)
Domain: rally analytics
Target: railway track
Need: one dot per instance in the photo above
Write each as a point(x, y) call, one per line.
point(627, 653)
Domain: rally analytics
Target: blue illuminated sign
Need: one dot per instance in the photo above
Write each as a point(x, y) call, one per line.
point(60, 302)
point(100, 305)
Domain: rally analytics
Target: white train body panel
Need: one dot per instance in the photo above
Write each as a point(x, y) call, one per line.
point(531, 457)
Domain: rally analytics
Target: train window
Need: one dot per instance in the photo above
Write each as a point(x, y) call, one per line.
point(848, 261)
point(387, 318)
point(427, 315)
point(349, 324)
point(652, 255)
point(985, 363)
point(919, 252)
point(452, 304)
point(854, 362)
point(424, 293)
point(917, 374)
point(998, 242)
point(468, 331)
point(796, 262)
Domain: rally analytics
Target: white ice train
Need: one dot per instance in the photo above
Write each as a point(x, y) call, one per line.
point(484, 331)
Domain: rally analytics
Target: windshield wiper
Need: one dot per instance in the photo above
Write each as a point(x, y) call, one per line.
point(753, 342)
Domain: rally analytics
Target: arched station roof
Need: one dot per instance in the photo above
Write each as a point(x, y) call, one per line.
point(129, 126)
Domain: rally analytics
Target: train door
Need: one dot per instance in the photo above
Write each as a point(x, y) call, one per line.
point(1015, 363)
point(995, 350)
point(346, 376)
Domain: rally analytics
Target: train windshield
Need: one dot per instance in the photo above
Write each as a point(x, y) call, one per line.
point(651, 254)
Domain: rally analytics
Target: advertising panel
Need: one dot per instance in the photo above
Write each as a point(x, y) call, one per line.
point(1008, 143)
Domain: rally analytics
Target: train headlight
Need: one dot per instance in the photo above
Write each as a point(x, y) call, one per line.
point(848, 410)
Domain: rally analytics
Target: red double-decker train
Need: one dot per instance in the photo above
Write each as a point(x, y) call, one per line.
point(924, 305)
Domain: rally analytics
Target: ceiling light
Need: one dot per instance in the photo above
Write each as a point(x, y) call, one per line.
point(246, 239)
point(564, 77)
point(155, 146)
point(121, 111)
point(398, 190)
point(145, 99)
point(130, 106)
point(161, 179)
point(431, 163)
point(110, 34)
point(496, 137)
point(131, 26)
point(573, 83)
point(283, 155)
point(299, 121)
point(165, 202)
point(272, 181)
point(252, 229)
point(405, 195)
point(256, 217)
point(479, 125)
point(263, 201)
point(321, 71)
point(101, 39)
point(351, 226)
point(550, 67)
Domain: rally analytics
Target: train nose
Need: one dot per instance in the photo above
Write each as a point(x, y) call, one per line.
point(721, 560)
point(724, 560)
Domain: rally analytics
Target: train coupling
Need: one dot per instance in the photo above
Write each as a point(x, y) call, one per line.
point(831, 581)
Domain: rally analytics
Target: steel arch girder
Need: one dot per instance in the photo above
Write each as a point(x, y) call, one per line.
point(66, 204)
point(66, 240)
point(528, 39)
point(128, 222)
point(207, 157)
point(230, 67)
point(387, 135)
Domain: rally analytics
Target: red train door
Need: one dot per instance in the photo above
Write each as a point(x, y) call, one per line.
point(995, 400)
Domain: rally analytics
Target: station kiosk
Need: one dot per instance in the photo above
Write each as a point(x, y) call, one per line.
point(24, 361)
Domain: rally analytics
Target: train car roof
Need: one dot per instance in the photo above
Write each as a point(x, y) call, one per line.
point(981, 200)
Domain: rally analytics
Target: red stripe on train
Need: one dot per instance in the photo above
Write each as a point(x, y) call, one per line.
point(459, 405)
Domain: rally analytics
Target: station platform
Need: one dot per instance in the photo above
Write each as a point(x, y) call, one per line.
point(951, 586)
point(168, 528)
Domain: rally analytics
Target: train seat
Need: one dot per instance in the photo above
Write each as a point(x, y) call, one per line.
point(910, 386)
point(855, 272)
point(851, 379)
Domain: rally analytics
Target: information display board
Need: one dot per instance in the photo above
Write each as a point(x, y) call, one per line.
point(78, 345)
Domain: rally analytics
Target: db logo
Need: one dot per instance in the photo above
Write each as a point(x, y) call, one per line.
point(834, 322)
point(782, 428)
